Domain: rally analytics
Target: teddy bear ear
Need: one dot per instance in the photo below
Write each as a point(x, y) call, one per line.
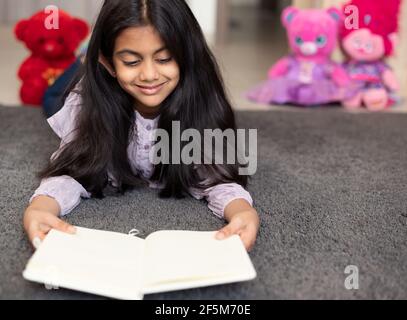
point(336, 14)
point(81, 28)
point(288, 15)
point(21, 28)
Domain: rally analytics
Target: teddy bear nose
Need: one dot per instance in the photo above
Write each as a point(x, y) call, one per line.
point(50, 46)
point(309, 48)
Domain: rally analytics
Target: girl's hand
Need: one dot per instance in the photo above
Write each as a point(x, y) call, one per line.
point(37, 224)
point(245, 224)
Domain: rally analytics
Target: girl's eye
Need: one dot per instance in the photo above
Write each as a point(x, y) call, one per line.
point(321, 41)
point(131, 64)
point(299, 41)
point(163, 61)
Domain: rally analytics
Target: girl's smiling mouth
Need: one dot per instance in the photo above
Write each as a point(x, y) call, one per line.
point(151, 90)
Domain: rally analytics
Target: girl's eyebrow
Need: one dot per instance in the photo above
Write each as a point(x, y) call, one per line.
point(135, 53)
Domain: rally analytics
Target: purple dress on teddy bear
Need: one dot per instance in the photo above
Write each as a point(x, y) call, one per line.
point(306, 83)
point(308, 76)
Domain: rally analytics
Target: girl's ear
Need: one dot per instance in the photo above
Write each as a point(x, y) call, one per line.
point(288, 16)
point(107, 65)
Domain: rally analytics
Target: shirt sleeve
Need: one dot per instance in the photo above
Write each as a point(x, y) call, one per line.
point(63, 123)
point(64, 189)
point(219, 196)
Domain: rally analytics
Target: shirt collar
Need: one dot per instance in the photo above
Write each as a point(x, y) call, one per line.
point(146, 123)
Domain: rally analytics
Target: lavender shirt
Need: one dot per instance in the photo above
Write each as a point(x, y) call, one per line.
point(68, 192)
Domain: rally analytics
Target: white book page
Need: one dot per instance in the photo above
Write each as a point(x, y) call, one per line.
point(184, 259)
point(98, 262)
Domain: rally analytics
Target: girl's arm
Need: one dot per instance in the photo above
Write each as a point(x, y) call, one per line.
point(56, 196)
point(65, 190)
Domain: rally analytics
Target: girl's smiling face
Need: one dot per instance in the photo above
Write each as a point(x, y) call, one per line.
point(145, 68)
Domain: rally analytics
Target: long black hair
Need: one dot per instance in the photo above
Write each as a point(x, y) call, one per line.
point(106, 118)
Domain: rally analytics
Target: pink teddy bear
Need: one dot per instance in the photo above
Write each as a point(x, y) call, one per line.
point(366, 48)
point(307, 76)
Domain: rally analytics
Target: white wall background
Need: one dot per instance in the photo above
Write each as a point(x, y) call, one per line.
point(244, 2)
point(14, 10)
point(206, 13)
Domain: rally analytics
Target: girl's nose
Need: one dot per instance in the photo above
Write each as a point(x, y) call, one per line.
point(148, 72)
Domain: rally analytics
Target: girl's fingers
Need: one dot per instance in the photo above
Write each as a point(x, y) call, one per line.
point(38, 231)
point(58, 224)
point(248, 237)
point(36, 242)
point(35, 235)
point(232, 228)
point(33, 230)
point(45, 228)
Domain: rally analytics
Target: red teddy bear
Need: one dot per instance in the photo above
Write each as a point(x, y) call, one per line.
point(53, 51)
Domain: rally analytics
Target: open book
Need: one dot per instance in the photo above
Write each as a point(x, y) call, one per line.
point(121, 266)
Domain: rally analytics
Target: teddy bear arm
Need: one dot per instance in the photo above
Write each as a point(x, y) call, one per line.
point(32, 67)
point(390, 80)
point(339, 76)
point(279, 69)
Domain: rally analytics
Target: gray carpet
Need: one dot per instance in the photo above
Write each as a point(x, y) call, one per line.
point(331, 190)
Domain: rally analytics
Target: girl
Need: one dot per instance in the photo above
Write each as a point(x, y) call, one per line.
point(147, 65)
